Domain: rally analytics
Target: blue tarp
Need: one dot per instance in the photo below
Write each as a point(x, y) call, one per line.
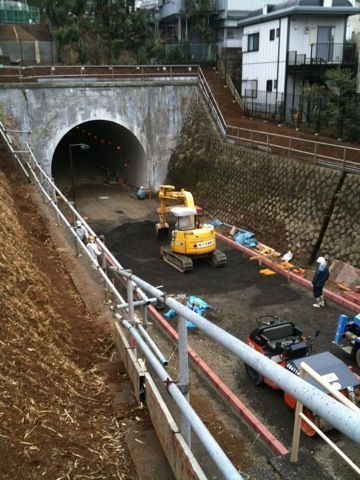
point(245, 238)
point(195, 304)
point(215, 223)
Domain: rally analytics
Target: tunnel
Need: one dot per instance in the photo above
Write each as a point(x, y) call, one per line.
point(95, 153)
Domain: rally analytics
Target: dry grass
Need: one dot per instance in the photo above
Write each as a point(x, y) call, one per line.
point(55, 410)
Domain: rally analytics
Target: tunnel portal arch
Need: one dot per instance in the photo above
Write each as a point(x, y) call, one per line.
point(112, 153)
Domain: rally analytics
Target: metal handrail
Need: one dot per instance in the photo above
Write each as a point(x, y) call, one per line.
point(28, 73)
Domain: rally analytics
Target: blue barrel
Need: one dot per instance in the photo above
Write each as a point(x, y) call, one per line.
point(341, 327)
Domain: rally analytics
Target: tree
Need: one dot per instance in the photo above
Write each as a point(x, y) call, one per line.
point(341, 84)
point(196, 15)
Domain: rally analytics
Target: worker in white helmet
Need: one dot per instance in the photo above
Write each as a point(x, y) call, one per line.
point(321, 275)
point(81, 232)
point(140, 194)
point(94, 249)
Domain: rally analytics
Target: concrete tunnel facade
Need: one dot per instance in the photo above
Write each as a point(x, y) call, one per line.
point(143, 119)
point(97, 151)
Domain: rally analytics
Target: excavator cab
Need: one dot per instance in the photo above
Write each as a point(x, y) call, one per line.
point(188, 238)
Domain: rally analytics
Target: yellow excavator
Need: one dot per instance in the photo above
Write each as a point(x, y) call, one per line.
point(189, 238)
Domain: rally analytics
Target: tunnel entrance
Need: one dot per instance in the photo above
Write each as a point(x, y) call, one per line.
point(95, 153)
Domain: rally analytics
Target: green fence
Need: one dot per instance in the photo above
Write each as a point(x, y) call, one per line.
point(190, 53)
point(13, 14)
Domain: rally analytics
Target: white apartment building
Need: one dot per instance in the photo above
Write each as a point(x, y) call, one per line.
point(289, 44)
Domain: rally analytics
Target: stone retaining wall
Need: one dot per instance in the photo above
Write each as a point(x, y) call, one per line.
point(283, 201)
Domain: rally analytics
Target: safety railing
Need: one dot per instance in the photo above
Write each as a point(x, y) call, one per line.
point(345, 158)
point(50, 73)
point(347, 422)
point(305, 369)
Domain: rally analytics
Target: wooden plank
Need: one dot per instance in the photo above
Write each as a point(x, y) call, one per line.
point(179, 455)
point(135, 371)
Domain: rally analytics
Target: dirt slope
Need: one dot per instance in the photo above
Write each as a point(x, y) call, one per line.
point(56, 415)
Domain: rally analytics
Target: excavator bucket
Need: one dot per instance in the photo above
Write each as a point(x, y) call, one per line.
point(162, 231)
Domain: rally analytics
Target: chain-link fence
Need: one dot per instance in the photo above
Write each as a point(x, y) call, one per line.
point(18, 13)
point(28, 52)
point(190, 52)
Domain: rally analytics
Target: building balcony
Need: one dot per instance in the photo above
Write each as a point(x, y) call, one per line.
point(323, 54)
point(170, 9)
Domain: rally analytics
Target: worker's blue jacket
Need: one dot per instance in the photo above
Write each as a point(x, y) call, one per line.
point(320, 276)
point(141, 193)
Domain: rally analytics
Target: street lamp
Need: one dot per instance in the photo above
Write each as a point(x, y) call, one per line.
point(82, 146)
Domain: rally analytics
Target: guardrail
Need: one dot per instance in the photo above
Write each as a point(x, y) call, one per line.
point(30, 74)
point(347, 422)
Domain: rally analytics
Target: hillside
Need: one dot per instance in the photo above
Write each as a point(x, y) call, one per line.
point(56, 414)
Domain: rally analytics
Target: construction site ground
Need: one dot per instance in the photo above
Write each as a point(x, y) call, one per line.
point(239, 295)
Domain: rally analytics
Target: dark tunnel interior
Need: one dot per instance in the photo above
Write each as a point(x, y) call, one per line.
point(95, 152)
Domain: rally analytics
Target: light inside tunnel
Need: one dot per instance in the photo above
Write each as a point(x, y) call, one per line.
point(114, 154)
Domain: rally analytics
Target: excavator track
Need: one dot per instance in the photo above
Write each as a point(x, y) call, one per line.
point(180, 262)
point(217, 258)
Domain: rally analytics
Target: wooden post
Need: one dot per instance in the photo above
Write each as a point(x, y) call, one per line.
point(297, 427)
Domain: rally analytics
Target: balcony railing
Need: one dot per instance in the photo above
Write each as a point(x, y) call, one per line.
point(324, 54)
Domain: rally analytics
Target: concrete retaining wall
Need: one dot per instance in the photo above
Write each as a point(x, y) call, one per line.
point(283, 201)
point(152, 112)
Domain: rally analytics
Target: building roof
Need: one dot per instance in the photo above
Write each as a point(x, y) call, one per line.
point(338, 7)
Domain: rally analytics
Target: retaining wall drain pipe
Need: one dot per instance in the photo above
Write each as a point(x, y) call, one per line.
point(215, 452)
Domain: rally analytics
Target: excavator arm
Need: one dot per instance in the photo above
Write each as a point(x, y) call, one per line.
point(167, 193)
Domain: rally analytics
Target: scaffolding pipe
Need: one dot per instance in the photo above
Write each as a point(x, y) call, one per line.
point(212, 447)
point(142, 295)
point(137, 303)
point(184, 375)
point(339, 416)
point(153, 346)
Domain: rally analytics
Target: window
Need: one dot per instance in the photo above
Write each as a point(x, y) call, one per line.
point(272, 34)
point(253, 42)
point(269, 85)
point(278, 32)
point(250, 88)
point(275, 84)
